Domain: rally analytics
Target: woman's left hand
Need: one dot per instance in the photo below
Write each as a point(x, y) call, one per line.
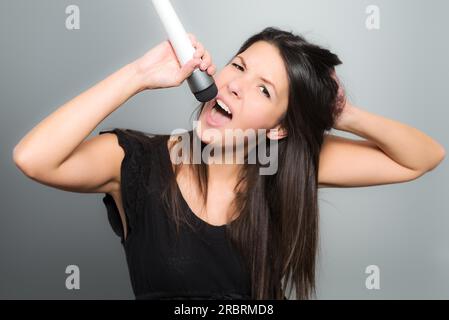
point(344, 109)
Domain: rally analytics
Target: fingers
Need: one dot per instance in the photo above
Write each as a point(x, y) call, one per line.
point(187, 69)
point(211, 70)
point(206, 61)
point(204, 55)
point(341, 98)
point(199, 50)
point(192, 37)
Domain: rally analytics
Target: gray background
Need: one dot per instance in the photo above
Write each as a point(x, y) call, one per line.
point(399, 71)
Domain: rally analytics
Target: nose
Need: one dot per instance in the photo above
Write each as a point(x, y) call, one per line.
point(234, 88)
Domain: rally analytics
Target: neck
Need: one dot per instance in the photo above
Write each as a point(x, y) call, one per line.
point(223, 173)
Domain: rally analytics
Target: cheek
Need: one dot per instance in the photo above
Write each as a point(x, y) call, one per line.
point(256, 119)
point(222, 77)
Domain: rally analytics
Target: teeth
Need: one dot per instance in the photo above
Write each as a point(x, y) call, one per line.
point(223, 106)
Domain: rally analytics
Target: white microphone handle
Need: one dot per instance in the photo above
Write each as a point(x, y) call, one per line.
point(176, 32)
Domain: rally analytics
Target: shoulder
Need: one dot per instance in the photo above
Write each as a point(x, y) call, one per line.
point(132, 140)
point(130, 151)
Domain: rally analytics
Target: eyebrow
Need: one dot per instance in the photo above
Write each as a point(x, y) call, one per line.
point(262, 78)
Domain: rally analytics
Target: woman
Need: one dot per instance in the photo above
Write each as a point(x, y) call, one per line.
point(256, 231)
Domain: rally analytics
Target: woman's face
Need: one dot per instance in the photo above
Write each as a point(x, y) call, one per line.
point(254, 86)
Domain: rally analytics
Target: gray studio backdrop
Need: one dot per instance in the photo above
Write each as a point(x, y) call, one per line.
point(399, 71)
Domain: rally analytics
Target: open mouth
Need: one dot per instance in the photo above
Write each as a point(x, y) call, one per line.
point(222, 108)
point(219, 114)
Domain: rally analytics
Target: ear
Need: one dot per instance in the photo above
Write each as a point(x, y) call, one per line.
point(277, 133)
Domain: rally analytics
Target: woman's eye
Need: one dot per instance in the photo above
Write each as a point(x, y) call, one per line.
point(265, 91)
point(238, 66)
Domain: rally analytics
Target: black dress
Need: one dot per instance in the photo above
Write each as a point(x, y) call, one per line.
point(197, 265)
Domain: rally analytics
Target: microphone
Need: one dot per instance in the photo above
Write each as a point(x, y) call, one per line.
point(201, 84)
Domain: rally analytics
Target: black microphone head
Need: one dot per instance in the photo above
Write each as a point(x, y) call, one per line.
point(207, 94)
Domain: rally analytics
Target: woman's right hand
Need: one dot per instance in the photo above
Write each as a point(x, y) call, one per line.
point(160, 68)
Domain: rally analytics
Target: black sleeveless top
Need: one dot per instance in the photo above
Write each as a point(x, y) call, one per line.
point(197, 265)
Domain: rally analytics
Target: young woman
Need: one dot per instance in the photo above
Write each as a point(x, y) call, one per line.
point(216, 230)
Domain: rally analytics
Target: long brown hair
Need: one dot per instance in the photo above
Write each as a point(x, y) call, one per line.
point(277, 226)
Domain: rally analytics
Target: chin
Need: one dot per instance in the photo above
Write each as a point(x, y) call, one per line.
point(209, 135)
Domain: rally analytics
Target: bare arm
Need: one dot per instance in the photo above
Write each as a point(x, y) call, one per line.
point(393, 152)
point(55, 153)
point(45, 148)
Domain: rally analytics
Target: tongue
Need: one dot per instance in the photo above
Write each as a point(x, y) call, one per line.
point(218, 117)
